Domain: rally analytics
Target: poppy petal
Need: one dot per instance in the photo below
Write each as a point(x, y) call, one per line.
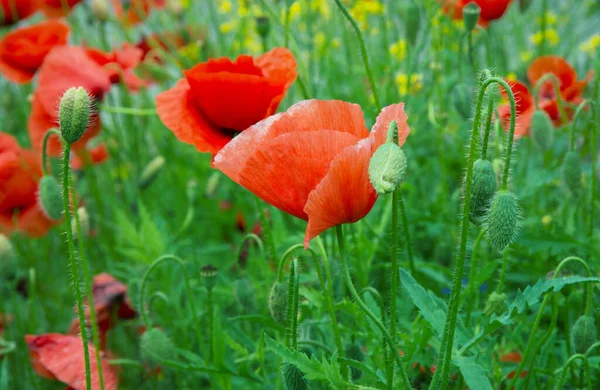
point(551, 64)
point(279, 66)
point(189, 125)
point(395, 112)
point(344, 195)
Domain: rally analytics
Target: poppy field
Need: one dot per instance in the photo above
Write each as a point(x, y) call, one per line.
point(299, 194)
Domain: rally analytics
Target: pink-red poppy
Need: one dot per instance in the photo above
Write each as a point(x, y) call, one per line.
point(11, 11)
point(219, 98)
point(312, 161)
point(57, 8)
point(23, 50)
point(120, 64)
point(63, 68)
point(490, 9)
point(20, 172)
point(60, 357)
point(525, 106)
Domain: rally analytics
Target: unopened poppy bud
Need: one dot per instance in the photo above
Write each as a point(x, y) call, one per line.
point(571, 171)
point(278, 302)
point(100, 10)
point(50, 197)
point(244, 293)
point(584, 334)
point(484, 187)
point(293, 377)
point(209, 273)
point(74, 114)
point(84, 222)
point(495, 304)
point(462, 99)
point(542, 130)
point(387, 168)
point(355, 352)
point(155, 342)
point(263, 26)
point(151, 172)
point(503, 220)
point(471, 14)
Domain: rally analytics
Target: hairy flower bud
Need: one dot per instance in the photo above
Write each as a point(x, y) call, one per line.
point(387, 168)
point(74, 114)
point(571, 171)
point(293, 377)
point(155, 342)
point(502, 220)
point(542, 130)
point(484, 187)
point(50, 197)
point(471, 14)
point(278, 302)
point(584, 334)
point(495, 304)
point(209, 273)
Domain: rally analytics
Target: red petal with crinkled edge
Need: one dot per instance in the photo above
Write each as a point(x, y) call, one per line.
point(23, 8)
point(34, 222)
point(345, 194)
point(523, 98)
point(395, 112)
point(60, 356)
point(279, 66)
point(522, 123)
point(304, 116)
point(574, 91)
point(285, 169)
point(178, 113)
point(552, 64)
point(56, 8)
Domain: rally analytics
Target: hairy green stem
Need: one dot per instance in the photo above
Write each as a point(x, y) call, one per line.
point(500, 285)
point(292, 307)
point(563, 374)
point(472, 271)
point(45, 147)
point(270, 240)
point(393, 287)
point(488, 126)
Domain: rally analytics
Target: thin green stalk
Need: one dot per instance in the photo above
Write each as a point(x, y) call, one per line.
point(559, 101)
point(488, 126)
point(270, 240)
point(563, 374)
point(543, 27)
point(406, 228)
point(363, 51)
point(74, 266)
point(248, 237)
point(500, 285)
point(472, 271)
point(45, 147)
point(403, 376)
point(393, 287)
point(292, 307)
point(542, 341)
point(210, 322)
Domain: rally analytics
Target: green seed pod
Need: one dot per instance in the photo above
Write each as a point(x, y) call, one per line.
point(74, 114)
point(244, 293)
point(151, 172)
point(571, 171)
point(495, 304)
point(542, 130)
point(462, 99)
point(155, 342)
point(209, 273)
point(50, 197)
point(263, 26)
point(503, 220)
point(584, 334)
point(353, 351)
point(484, 187)
point(293, 377)
point(278, 302)
point(387, 168)
point(471, 14)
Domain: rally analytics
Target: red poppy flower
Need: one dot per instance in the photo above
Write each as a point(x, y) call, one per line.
point(60, 357)
point(11, 11)
point(220, 97)
point(63, 68)
point(525, 108)
point(20, 172)
point(312, 161)
point(120, 63)
point(93, 156)
point(136, 10)
point(490, 9)
point(57, 8)
point(23, 50)
point(570, 87)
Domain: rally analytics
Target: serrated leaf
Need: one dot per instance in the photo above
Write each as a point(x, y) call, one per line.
point(475, 375)
point(311, 367)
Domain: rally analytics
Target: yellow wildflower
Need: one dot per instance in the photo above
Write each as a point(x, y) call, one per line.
point(526, 56)
point(591, 45)
point(225, 6)
point(550, 17)
point(409, 85)
point(551, 35)
point(546, 220)
point(398, 49)
point(228, 27)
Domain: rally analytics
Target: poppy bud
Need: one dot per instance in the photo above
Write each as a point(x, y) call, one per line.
point(100, 10)
point(50, 197)
point(484, 187)
point(84, 222)
point(462, 100)
point(278, 302)
point(209, 273)
point(150, 172)
point(293, 377)
point(74, 114)
point(387, 168)
point(353, 351)
point(155, 342)
point(244, 293)
point(263, 26)
point(571, 171)
point(584, 334)
point(471, 14)
point(542, 130)
point(495, 304)
point(503, 220)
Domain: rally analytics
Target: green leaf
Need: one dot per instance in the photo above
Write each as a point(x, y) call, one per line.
point(311, 367)
point(475, 375)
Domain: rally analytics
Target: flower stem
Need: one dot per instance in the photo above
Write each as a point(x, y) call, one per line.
point(403, 376)
point(488, 126)
point(396, 196)
point(500, 286)
point(472, 269)
point(563, 374)
point(405, 227)
point(292, 307)
point(74, 268)
point(270, 241)
point(45, 146)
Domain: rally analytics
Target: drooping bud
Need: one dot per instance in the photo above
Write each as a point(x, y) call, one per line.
point(263, 26)
point(584, 334)
point(484, 186)
point(503, 220)
point(155, 342)
point(495, 304)
point(571, 171)
point(471, 14)
point(462, 99)
point(151, 172)
point(388, 164)
point(100, 10)
point(293, 377)
point(209, 273)
point(542, 130)
point(74, 114)
point(355, 352)
point(278, 302)
point(50, 197)
point(244, 293)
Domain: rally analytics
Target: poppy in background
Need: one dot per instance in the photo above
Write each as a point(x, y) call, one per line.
point(57, 8)
point(120, 64)
point(135, 11)
point(490, 9)
point(94, 156)
point(219, 98)
point(60, 357)
point(20, 172)
point(23, 50)
point(11, 11)
point(525, 108)
point(312, 161)
point(169, 41)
